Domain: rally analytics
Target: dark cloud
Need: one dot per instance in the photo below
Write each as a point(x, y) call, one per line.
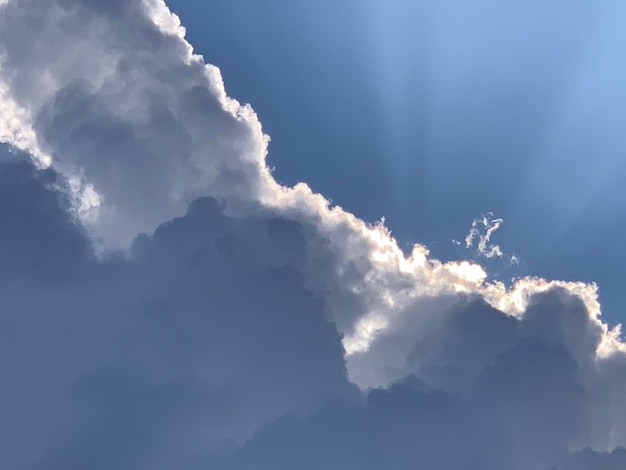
point(521, 413)
point(202, 349)
point(38, 239)
point(198, 336)
point(451, 350)
point(216, 339)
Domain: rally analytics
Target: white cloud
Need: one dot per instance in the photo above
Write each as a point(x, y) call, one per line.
point(141, 126)
point(490, 225)
point(112, 97)
point(126, 107)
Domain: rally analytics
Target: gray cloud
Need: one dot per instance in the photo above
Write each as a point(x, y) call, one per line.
point(202, 347)
point(524, 403)
point(197, 337)
point(125, 108)
point(234, 329)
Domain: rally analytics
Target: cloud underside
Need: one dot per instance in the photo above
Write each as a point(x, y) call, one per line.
point(248, 325)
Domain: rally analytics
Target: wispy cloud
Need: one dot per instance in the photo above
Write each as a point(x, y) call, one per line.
point(479, 239)
point(489, 225)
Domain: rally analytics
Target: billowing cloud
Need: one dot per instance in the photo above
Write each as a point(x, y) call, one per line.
point(246, 324)
point(199, 335)
point(123, 106)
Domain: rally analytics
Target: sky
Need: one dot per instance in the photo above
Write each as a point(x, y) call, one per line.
point(432, 113)
point(193, 282)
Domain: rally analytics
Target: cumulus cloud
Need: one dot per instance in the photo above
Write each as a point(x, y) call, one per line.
point(203, 332)
point(246, 324)
point(123, 106)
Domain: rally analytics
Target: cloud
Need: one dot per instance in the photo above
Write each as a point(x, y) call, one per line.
point(203, 332)
point(490, 225)
point(202, 347)
point(488, 391)
point(246, 324)
point(125, 108)
point(140, 127)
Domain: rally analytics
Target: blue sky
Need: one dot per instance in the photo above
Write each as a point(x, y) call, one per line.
point(179, 293)
point(431, 113)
